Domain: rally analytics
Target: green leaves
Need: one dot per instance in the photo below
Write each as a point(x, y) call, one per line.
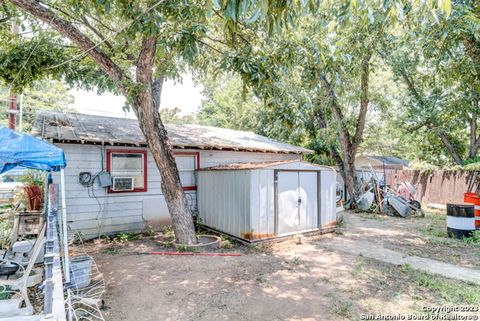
point(26, 61)
point(447, 7)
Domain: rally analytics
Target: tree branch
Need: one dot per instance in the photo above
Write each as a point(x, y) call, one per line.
point(97, 32)
point(145, 61)
point(449, 146)
point(473, 135)
point(364, 100)
point(234, 34)
point(78, 38)
point(411, 86)
point(103, 24)
point(157, 87)
point(210, 46)
point(440, 132)
point(345, 140)
point(474, 139)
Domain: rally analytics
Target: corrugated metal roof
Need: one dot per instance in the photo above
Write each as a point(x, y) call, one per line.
point(83, 128)
point(389, 160)
point(297, 165)
point(240, 166)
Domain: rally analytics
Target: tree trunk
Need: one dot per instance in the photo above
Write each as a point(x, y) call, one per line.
point(347, 171)
point(156, 136)
point(349, 146)
point(152, 127)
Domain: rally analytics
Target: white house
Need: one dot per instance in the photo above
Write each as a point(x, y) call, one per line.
point(97, 145)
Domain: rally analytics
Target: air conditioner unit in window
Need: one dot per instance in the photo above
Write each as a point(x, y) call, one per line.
point(123, 184)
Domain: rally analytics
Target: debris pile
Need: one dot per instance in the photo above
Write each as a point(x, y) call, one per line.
point(376, 196)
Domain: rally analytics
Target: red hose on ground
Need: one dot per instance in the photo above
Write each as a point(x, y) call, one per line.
point(191, 253)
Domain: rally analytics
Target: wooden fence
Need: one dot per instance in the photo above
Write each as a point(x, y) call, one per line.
point(439, 186)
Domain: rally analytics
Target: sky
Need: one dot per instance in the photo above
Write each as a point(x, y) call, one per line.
point(185, 96)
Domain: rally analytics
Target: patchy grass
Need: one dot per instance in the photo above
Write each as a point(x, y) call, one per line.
point(340, 307)
point(110, 251)
point(296, 261)
point(123, 238)
point(127, 237)
point(450, 291)
point(226, 242)
point(427, 237)
point(434, 231)
point(343, 309)
point(168, 232)
point(421, 287)
point(260, 279)
point(359, 267)
point(150, 232)
point(341, 222)
point(474, 239)
point(373, 216)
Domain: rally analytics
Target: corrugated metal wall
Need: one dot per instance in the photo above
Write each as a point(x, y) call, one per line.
point(242, 202)
point(328, 209)
point(224, 201)
point(262, 213)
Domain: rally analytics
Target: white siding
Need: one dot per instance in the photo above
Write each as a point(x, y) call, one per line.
point(97, 212)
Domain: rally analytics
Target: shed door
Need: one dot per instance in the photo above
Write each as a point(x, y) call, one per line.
point(297, 201)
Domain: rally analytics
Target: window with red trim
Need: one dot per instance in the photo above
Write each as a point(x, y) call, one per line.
point(187, 163)
point(126, 163)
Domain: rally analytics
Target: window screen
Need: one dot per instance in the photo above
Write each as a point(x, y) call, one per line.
point(186, 168)
point(128, 165)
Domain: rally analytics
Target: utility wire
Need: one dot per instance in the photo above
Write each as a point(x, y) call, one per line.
point(81, 55)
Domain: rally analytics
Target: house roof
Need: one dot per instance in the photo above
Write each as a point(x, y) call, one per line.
point(83, 128)
point(388, 160)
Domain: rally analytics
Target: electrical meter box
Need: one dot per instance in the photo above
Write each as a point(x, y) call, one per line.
point(104, 179)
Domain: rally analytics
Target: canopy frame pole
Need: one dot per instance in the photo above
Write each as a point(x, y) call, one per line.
point(66, 260)
point(66, 264)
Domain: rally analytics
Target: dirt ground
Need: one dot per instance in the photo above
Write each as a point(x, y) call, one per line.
point(283, 281)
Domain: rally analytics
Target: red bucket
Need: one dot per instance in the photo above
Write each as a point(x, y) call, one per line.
point(474, 198)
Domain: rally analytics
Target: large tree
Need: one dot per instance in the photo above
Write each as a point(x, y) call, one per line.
point(130, 47)
point(317, 80)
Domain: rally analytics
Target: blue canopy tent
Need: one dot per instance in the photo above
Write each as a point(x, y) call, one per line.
point(22, 150)
point(17, 149)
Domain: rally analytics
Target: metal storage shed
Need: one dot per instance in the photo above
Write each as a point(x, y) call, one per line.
point(257, 201)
